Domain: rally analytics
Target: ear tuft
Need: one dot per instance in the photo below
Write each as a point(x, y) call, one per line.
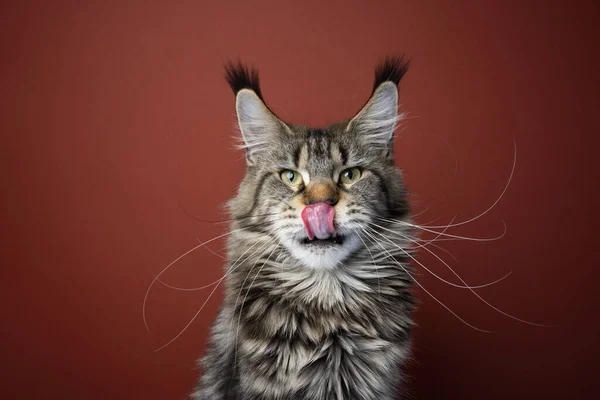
point(259, 126)
point(240, 76)
point(377, 120)
point(390, 69)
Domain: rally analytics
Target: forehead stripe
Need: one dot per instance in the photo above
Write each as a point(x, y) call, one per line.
point(297, 152)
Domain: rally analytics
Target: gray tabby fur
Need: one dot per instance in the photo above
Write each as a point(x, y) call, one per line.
point(314, 322)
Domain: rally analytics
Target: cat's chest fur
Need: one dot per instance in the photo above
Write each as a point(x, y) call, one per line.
point(321, 335)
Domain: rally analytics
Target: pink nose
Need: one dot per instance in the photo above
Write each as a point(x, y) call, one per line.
point(318, 220)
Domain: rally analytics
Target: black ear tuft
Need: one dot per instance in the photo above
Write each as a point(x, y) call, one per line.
point(390, 69)
point(240, 76)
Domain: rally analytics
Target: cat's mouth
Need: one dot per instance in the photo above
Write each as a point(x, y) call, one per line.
point(336, 240)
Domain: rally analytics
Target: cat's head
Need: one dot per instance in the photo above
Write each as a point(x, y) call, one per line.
point(317, 190)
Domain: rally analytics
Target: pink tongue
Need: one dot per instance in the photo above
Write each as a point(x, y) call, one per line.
point(318, 220)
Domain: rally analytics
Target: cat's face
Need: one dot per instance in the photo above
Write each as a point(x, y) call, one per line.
point(315, 191)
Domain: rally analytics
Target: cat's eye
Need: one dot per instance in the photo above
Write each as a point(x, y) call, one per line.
point(291, 178)
point(350, 176)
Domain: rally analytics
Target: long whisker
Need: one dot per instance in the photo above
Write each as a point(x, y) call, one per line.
point(233, 267)
point(205, 286)
point(422, 211)
point(426, 242)
point(175, 261)
point(440, 259)
point(444, 250)
point(512, 172)
point(374, 264)
point(473, 291)
point(493, 282)
point(373, 240)
point(454, 258)
point(415, 260)
point(191, 321)
point(445, 234)
point(430, 242)
point(212, 251)
point(193, 318)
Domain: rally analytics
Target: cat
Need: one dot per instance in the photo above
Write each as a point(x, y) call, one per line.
point(318, 297)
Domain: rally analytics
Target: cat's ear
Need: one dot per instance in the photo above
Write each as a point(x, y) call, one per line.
point(376, 121)
point(258, 125)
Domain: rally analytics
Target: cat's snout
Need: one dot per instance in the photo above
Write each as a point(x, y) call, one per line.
point(322, 192)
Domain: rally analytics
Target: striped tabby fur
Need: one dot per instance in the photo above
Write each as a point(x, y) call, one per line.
point(302, 321)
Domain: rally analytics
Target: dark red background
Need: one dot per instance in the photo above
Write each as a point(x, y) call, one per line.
point(115, 118)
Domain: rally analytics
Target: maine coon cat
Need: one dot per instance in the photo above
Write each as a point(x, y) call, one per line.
point(317, 304)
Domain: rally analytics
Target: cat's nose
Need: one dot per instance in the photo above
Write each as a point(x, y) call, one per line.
point(331, 202)
point(322, 192)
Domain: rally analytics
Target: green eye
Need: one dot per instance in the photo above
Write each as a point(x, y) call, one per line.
point(350, 176)
point(291, 178)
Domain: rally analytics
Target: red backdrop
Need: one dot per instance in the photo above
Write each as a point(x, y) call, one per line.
point(115, 118)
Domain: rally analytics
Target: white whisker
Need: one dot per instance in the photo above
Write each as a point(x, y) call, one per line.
point(227, 273)
point(415, 260)
point(470, 288)
point(446, 234)
point(425, 290)
point(172, 263)
point(374, 264)
point(436, 256)
point(212, 251)
point(512, 172)
point(195, 315)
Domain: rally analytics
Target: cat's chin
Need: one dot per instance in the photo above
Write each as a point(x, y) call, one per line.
point(324, 254)
point(337, 240)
